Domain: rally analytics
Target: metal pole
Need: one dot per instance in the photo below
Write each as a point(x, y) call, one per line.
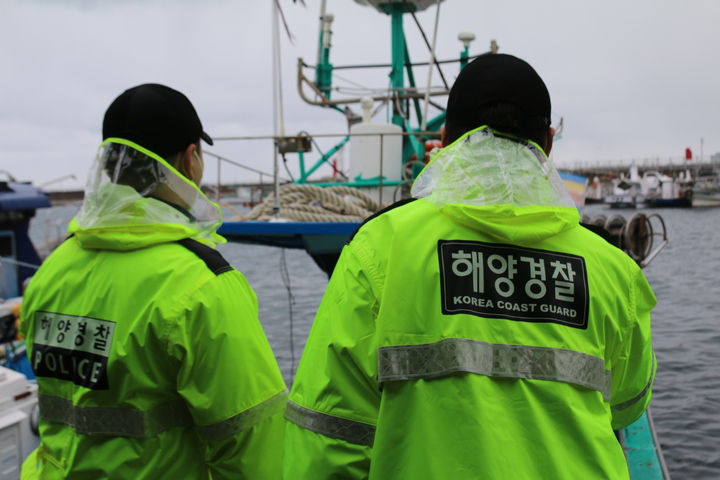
point(323, 6)
point(276, 198)
point(19, 263)
point(430, 69)
point(277, 107)
point(382, 150)
point(397, 74)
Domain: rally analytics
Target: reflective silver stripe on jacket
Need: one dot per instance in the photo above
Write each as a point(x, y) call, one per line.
point(407, 362)
point(121, 422)
point(638, 397)
point(244, 420)
point(334, 427)
point(114, 421)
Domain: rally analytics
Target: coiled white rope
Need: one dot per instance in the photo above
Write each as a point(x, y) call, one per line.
point(310, 203)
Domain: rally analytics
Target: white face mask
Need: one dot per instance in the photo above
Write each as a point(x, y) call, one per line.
point(202, 164)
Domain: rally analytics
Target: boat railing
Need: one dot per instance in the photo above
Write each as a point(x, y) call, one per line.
point(399, 93)
point(302, 143)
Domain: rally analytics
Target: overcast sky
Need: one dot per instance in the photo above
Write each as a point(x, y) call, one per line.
point(632, 79)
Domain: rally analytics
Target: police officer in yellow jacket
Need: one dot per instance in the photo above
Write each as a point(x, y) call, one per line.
point(150, 359)
point(478, 331)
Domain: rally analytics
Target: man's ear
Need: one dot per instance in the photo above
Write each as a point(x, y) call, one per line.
point(549, 141)
point(186, 163)
point(443, 137)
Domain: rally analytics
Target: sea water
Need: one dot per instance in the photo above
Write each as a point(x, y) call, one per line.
point(686, 325)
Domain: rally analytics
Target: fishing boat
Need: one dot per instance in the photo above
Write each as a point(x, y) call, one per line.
point(319, 216)
point(627, 191)
point(595, 191)
point(653, 190)
point(663, 191)
point(18, 262)
point(706, 191)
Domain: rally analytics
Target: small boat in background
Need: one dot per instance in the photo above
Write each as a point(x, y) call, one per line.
point(662, 191)
point(653, 190)
point(706, 191)
point(627, 191)
point(596, 191)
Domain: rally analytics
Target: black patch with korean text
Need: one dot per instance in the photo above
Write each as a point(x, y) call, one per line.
point(514, 283)
point(72, 348)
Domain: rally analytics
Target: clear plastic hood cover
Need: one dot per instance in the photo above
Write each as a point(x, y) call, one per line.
point(483, 168)
point(123, 180)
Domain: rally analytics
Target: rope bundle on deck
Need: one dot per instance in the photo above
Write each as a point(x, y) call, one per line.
point(310, 203)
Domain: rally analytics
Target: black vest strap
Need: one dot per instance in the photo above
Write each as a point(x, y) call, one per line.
point(397, 204)
point(212, 258)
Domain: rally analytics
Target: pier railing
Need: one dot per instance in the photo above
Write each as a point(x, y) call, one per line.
point(668, 165)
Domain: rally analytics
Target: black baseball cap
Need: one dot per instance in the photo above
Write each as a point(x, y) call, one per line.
point(496, 77)
point(155, 117)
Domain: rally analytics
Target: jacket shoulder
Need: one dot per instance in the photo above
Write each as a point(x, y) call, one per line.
point(211, 257)
point(385, 210)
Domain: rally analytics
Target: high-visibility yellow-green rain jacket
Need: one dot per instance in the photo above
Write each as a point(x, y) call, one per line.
point(150, 359)
point(476, 333)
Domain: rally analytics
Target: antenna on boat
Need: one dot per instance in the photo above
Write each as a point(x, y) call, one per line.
point(367, 105)
point(322, 30)
point(431, 64)
point(466, 38)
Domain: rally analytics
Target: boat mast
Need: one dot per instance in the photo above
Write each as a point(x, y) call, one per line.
point(323, 72)
point(278, 120)
point(397, 72)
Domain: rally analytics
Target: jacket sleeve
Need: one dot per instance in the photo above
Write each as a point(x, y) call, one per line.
point(634, 370)
point(335, 397)
point(230, 379)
